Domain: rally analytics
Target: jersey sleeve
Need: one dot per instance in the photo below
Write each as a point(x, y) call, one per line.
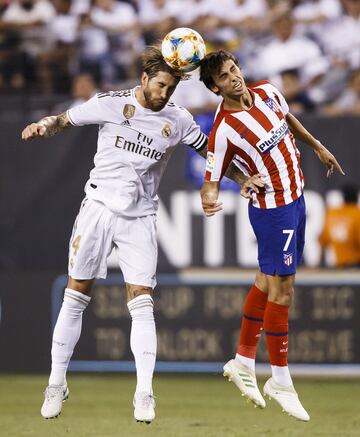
point(87, 113)
point(220, 153)
point(191, 133)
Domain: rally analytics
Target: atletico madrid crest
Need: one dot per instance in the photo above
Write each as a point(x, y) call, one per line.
point(288, 259)
point(272, 104)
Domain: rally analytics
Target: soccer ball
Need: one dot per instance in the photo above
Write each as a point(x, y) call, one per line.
point(183, 49)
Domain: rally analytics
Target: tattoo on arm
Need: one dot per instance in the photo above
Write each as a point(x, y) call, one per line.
point(63, 121)
point(234, 173)
point(55, 124)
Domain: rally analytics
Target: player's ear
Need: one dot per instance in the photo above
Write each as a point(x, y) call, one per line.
point(215, 89)
point(144, 79)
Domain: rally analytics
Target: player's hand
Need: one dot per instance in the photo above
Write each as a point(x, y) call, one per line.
point(43, 128)
point(329, 160)
point(211, 208)
point(252, 185)
point(209, 195)
point(33, 130)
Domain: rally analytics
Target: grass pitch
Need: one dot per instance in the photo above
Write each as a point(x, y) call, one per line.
point(190, 405)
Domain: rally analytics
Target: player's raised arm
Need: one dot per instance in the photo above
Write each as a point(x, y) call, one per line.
point(46, 127)
point(325, 156)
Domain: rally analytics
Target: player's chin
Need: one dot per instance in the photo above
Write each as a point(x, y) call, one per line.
point(158, 105)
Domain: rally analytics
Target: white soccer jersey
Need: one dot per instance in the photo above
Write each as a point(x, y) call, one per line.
point(258, 141)
point(134, 146)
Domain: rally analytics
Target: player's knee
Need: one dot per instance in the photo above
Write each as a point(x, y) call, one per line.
point(284, 297)
point(281, 290)
point(134, 291)
point(80, 285)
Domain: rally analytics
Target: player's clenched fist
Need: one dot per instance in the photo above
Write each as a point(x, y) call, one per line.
point(39, 129)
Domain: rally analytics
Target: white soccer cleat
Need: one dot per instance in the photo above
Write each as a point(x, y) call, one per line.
point(245, 380)
point(287, 398)
point(55, 395)
point(144, 407)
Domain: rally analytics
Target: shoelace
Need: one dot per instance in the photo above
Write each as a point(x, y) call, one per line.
point(148, 401)
point(51, 392)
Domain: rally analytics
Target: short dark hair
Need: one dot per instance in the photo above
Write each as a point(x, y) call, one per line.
point(212, 64)
point(153, 62)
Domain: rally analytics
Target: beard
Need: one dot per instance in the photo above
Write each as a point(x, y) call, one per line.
point(154, 105)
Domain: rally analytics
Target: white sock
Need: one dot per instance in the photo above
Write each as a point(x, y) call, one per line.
point(143, 340)
point(281, 375)
point(66, 334)
point(248, 362)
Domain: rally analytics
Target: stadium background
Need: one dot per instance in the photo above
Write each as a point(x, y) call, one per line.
point(54, 54)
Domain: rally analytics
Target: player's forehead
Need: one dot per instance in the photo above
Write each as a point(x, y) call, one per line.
point(226, 66)
point(165, 78)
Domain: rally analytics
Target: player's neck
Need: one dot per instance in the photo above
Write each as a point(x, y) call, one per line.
point(236, 103)
point(139, 95)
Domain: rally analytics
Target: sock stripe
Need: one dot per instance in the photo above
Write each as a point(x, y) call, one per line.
point(254, 319)
point(140, 307)
point(276, 334)
point(141, 304)
point(70, 294)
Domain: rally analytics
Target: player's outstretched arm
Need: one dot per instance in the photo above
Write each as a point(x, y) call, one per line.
point(46, 127)
point(325, 156)
point(209, 195)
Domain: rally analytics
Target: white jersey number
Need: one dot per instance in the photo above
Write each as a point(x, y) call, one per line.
point(290, 233)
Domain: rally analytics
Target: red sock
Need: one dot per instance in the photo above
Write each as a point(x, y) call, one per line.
point(276, 326)
point(252, 322)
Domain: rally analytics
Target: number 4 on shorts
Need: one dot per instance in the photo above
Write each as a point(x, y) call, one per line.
point(290, 233)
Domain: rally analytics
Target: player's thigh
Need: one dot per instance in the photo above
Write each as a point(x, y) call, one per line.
point(137, 250)
point(276, 234)
point(91, 241)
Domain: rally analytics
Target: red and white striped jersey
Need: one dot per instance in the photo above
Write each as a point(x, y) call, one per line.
point(258, 140)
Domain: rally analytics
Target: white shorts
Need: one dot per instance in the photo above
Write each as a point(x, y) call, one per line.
point(97, 231)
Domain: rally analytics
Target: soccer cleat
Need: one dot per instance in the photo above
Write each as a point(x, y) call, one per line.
point(144, 407)
point(55, 395)
point(245, 380)
point(287, 398)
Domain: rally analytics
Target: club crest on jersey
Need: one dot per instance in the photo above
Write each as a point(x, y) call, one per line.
point(129, 111)
point(166, 131)
point(272, 104)
point(273, 137)
point(288, 259)
point(210, 161)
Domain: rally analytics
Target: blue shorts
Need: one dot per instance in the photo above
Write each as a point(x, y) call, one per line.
point(280, 234)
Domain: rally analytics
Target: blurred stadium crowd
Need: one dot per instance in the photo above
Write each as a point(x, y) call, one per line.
point(309, 49)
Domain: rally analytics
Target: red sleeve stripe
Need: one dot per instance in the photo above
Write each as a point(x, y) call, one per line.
point(212, 137)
